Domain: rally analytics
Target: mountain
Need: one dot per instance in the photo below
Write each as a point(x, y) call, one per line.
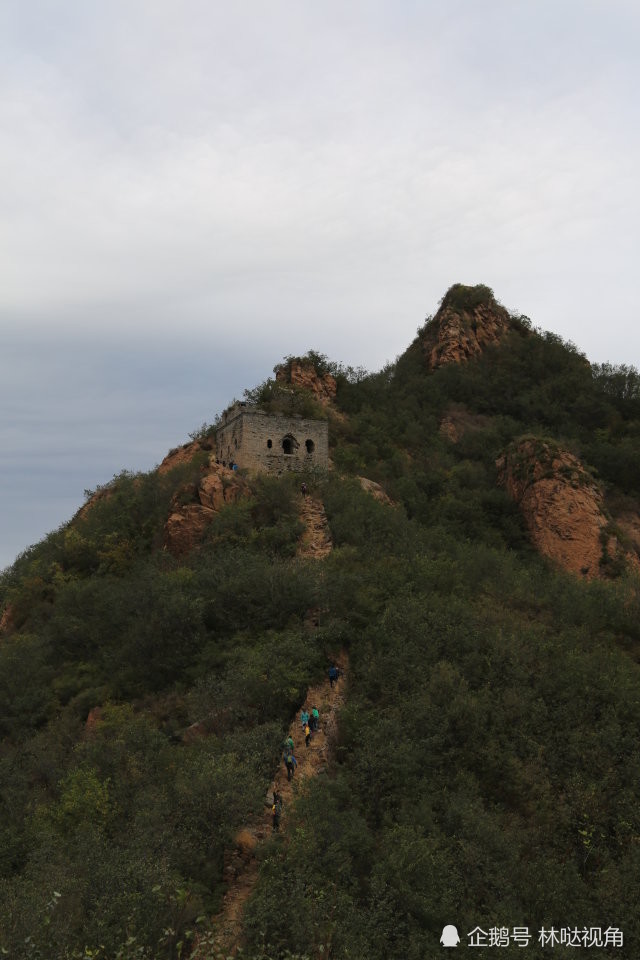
point(471, 562)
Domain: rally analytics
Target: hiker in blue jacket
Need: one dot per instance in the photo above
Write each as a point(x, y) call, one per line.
point(333, 675)
point(291, 764)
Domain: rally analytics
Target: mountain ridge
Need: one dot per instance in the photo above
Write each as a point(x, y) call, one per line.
point(487, 760)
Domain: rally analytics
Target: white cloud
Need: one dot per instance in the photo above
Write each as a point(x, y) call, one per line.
point(290, 175)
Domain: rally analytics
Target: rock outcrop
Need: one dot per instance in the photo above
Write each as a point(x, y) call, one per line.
point(458, 421)
point(102, 493)
point(185, 454)
point(468, 321)
point(629, 523)
point(94, 718)
point(7, 620)
point(195, 505)
point(562, 507)
point(376, 491)
point(302, 373)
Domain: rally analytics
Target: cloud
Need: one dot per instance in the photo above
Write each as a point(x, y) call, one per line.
point(192, 189)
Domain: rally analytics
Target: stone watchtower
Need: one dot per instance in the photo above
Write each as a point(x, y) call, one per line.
point(271, 443)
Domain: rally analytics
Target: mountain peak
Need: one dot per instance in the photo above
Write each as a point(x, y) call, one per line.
point(468, 321)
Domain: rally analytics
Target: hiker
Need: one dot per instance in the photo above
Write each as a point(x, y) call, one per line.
point(307, 735)
point(291, 764)
point(287, 748)
point(333, 675)
point(303, 489)
point(315, 719)
point(277, 810)
point(304, 718)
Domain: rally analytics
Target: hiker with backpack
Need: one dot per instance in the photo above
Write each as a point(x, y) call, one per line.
point(307, 735)
point(304, 718)
point(315, 720)
point(333, 675)
point(291, 763)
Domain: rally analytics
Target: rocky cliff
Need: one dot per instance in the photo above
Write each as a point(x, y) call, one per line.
point(195, 505)
point(302, 373)
point(562, 506)
point(468, 321)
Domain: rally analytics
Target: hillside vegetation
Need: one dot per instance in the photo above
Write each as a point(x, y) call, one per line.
point(487, 765)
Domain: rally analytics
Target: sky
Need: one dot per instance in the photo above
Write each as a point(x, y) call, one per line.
point(191, 190)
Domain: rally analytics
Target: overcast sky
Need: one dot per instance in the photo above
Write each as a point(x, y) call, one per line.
point(190, 190)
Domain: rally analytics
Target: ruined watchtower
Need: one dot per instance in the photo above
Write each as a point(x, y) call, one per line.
point(272, 443)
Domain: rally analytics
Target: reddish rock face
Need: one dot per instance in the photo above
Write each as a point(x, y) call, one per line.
point(376, 491)
point(93, 719)
point(455, 336)
point(6, 620)
point(629, 523)
point(184, 454)
point(304, 375)
point(562, 506)
point(187, 521)
point(102, 494)
point(459, 421)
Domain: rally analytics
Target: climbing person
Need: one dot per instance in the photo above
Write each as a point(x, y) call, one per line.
point(333, 675)
point(277, 810)
point(303, 489)
point(287, 748)
point(315, 719)
point(291, 764)
point(304, 718)
point(307, 735)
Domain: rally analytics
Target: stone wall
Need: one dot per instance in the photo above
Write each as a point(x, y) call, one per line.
point(270, 442)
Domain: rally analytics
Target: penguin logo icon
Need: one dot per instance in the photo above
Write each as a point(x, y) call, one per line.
point(449, 936)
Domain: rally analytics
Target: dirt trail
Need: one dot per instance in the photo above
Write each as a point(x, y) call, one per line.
point(241, 864)
point(316, 539)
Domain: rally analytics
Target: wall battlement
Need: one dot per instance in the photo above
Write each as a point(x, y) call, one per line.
point(271, 443)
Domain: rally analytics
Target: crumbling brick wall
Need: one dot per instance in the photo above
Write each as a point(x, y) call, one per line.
point(272, 443)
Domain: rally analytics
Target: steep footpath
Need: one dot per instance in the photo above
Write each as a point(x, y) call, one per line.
point(316, 540)
point(242, 862)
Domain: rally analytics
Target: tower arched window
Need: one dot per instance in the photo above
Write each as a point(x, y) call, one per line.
point(289, 445)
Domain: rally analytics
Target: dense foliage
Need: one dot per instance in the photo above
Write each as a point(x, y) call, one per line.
point(487, 766)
